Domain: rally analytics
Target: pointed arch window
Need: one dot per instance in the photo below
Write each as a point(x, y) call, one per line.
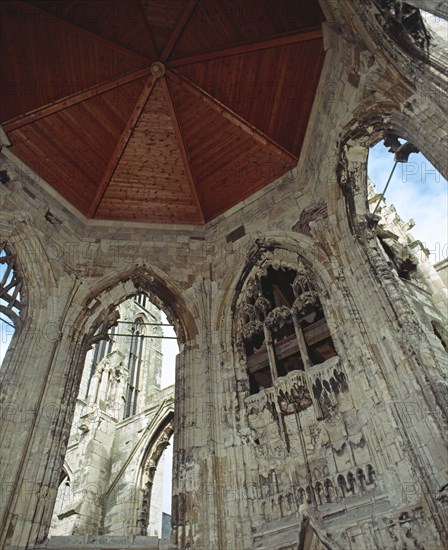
point(141, 300)
point(135, 361)
point(283, 326)
point(100, 351)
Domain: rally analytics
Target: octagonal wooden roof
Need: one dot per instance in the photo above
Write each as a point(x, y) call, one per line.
point(158, 110)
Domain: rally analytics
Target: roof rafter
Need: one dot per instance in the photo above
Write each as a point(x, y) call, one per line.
point(237, 120)
point(151, 43)
point(89, 34)
point(178, 30)
point(69, 101)
point(121, 145)
point(182, 148)
point(303, 36)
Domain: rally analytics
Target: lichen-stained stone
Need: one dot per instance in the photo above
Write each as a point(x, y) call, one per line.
point(364, 464)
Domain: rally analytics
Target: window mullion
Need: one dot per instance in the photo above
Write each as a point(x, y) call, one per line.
point(301, 341)
point(271, 353)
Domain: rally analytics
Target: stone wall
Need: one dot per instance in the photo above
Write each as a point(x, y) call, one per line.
point(237, 484)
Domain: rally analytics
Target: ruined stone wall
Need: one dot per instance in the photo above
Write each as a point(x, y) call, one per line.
point(237, 484)
point(103, 491)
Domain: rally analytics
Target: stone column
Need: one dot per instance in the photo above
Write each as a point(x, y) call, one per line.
point(39, 389)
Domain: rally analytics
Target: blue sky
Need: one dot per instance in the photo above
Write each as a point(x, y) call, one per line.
point(169, 351)
point(6, 331)
point(417, 191)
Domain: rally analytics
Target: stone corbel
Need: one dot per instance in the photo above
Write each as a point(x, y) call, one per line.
point(278, 318)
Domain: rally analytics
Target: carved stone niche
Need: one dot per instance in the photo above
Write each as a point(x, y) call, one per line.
point(358, 482)
point(284, 337)
point(327, 381)
point(288, 394)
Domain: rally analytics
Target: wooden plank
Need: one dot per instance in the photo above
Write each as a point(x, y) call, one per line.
point(67, 102)
point(235, 119)
point(44, 63)
point(120, 22)
point(152, 46)
point(151, 179)
point(152, 154)
point(73, 27)
point(228, 164)
point(121, 145)
point(217, 24)
point(151, 211)
point(316, 332)
point(162, 17)
point(272, 89)
point(258, 360)
point(183, 151)
point(309, 34)
point(178, 30)
point(71, 149)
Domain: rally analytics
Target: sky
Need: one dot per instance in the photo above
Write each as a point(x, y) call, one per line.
point(437, 24)
point(169, 351)
point(418, 192)
point(6, 331)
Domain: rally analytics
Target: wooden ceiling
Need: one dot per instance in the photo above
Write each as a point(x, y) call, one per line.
point(164, 111)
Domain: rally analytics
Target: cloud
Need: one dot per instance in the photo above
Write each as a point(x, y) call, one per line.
point(436, 24)
point(417, 191)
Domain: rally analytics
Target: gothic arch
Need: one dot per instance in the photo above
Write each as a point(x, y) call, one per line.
point(13, 294)
point(85, 313)
point(356, 139)
point(292, 245)
point(276, 248)
point(102, 301)
point(272, 333)
point(155, 443)
point(11, 284)
point(37, 276)
point(33, 264)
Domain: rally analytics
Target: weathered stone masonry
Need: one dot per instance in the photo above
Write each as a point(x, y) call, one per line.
point(363, 468)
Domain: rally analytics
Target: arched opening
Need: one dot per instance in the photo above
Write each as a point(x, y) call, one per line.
point(124, 395)
point(11, 303)
point(408, 194)
point(282, 326)
point(154, 513)
point(61, 519)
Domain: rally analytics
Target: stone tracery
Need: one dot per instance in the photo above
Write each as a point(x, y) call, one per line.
point(281, 325)
point(11, 303)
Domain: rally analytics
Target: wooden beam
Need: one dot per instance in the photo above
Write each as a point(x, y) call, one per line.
point(310, 34)
point(121, 145)
point(183, 151)
point(178, 30)
point(152, 45)
point(69, 101)
point(73, 27)
point(235, 119)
